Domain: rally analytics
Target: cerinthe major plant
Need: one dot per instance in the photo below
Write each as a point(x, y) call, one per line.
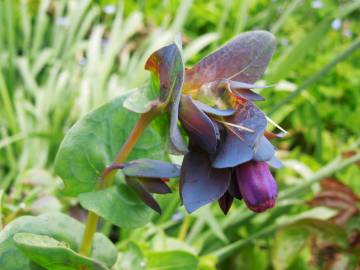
point(212, 121)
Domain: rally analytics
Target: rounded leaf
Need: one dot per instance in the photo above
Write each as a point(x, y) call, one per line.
point(93, 142)
point(119, 205)
point(58, 226)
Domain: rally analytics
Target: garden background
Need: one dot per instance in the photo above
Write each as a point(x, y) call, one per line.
point(60, 59)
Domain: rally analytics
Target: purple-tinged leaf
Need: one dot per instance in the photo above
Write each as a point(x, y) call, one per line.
point(232, 151)
point(257, 185)
point(264, 150)
point(250, 117)
point(212, 110)
point(225, 202)
point(198, 125)
point(167, 63)
point(155, 185)
point(144, 195)
point(201, 184)
point(148, 168)
point(275, 163)
point(242, 59)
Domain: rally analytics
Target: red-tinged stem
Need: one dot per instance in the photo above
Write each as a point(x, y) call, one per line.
point(107, 177)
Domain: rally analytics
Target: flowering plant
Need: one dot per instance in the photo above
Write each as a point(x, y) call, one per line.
point(206, 113)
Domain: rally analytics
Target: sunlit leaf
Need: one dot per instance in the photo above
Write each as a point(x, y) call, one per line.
point(132, 259)
point(287, 244)
point(151, 169)
point(56, 225)
point(171, 260)
point(138, 101)
point(52, 254)
point(119, 205)
point(200, 183)
point(164, 242)
point(198, 125)
point(242, 59)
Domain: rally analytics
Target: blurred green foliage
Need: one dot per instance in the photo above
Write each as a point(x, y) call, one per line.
point(59, 59)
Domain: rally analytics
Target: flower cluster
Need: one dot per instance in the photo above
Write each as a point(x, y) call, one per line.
point(229, 152)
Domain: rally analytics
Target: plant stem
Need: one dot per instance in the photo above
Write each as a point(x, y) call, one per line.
point(107, 177)
point(184, 228)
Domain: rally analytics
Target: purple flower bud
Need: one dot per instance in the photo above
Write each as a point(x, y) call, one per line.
point(257, 185)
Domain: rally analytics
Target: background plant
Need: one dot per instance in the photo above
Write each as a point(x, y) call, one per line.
point(61, 59)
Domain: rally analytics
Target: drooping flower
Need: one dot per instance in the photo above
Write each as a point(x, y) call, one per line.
point(229, 151)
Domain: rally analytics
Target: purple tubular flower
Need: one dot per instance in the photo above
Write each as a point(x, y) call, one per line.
point(257, 185)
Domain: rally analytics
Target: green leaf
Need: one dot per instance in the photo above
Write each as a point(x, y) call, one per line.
point(171, 260)
point(290, 240)
point(132, 259)
point(56, 225)
point(119, 205)
point(162, 242)
point(52, 254)
point(287, 245)
point(92, 143)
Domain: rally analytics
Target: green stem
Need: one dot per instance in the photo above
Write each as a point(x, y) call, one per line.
point(336, 165)
point(184, 228)
point(107, 177)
